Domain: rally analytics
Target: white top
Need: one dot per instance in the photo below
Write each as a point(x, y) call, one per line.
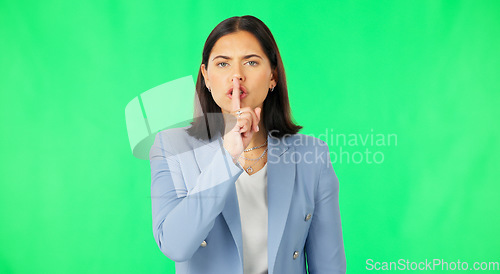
point(252, 199)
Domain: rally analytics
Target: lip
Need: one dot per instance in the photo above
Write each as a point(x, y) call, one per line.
point(243, 93)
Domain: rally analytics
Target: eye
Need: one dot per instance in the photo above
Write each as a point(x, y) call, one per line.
point(253, 63)
point(222, 64)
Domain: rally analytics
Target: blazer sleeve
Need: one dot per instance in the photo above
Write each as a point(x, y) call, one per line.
point(324, 243)
point(182, 217)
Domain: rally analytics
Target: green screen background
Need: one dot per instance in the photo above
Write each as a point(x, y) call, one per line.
point(73, 199)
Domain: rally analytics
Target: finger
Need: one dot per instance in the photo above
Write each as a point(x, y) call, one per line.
point(257, 113)
point(250, 119)
point(235, 102)
point(255, 119)
point(245, 121)
point(236, 128)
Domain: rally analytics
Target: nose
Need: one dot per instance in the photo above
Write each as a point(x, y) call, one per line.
point(237, 74)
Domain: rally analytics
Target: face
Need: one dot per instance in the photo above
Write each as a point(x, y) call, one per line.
point(239, 55)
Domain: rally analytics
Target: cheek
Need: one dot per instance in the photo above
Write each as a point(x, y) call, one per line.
point(219, 82)
point(264, 74)
point(259, 96)
point(219, 96)
point(265, 79)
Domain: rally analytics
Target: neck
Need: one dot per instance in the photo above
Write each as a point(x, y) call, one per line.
point(258, 138)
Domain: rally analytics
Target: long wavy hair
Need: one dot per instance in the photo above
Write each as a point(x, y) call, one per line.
point(277, 118)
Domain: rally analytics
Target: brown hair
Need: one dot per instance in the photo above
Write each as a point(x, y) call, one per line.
point(276, 111)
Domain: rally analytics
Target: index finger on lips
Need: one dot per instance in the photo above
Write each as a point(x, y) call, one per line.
point(235, 101)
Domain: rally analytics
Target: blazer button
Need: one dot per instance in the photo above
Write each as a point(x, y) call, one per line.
point(203, 244)
point(308, 217)
point(295, 255)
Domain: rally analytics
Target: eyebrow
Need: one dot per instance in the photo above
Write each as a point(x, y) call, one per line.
point(244, 57)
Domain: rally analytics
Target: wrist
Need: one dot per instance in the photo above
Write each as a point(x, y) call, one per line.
point(233, 157)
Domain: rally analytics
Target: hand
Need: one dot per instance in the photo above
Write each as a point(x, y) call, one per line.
point(238, 138)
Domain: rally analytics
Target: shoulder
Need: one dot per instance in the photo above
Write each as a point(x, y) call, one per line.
point(176, 140)
point(173, 133)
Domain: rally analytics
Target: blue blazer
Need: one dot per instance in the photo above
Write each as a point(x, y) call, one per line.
point(196, 218)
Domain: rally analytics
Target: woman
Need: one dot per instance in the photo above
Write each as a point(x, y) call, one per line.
point(240, 191)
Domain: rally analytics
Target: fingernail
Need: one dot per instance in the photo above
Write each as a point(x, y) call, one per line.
point(257, 128)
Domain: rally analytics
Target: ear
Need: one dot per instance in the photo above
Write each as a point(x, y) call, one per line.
point(205, 75)
point(274, 79)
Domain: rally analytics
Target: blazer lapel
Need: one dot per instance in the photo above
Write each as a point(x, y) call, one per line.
point(231, 213)
point(280, 184)
point(231, 210)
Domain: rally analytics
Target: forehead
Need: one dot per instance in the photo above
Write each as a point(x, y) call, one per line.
point(237, 43)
